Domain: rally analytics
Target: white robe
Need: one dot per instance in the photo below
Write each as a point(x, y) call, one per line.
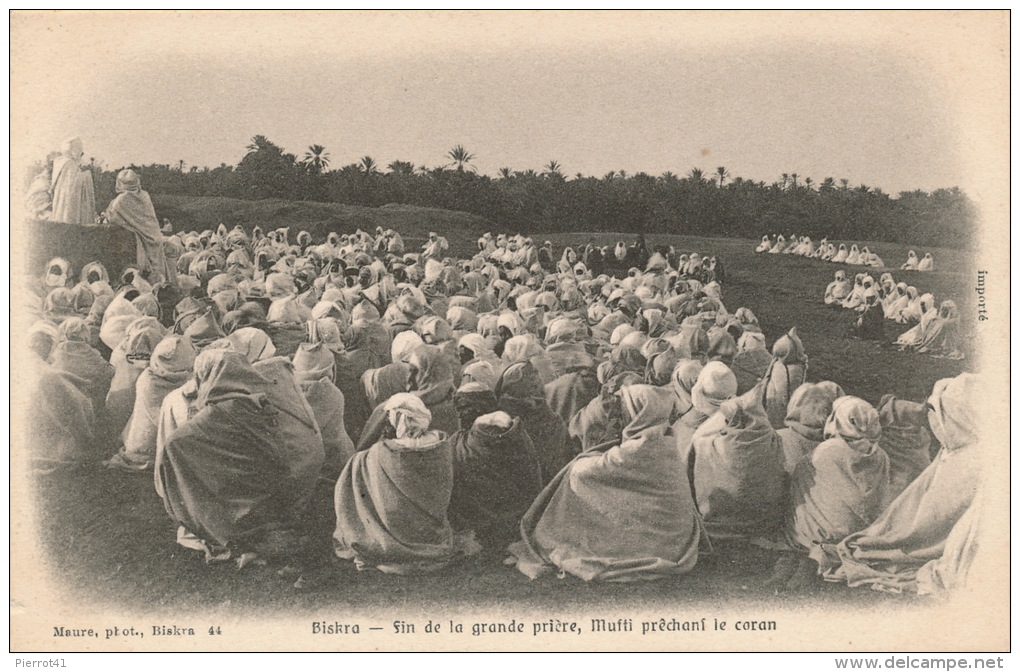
point(74, 198)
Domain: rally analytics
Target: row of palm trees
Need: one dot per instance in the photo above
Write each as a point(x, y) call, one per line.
point(708, 203)
point(316, 160)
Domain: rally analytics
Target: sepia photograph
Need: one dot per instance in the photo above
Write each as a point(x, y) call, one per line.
point(644, 331)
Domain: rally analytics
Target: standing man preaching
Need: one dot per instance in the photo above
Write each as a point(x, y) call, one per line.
point(73, 196)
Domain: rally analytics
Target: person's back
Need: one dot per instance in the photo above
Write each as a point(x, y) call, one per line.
point(621, 514)
point(169, 368)
point(391, 500)
point(496, 476)
point(840, 487)
point(736, 460)
point(521, 395)
point(91, 372)
point(913, 530)
point(571, 392)
point(327, 403)
point(61, 429)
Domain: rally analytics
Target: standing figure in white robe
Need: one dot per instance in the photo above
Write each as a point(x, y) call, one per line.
point(73, 196)
point(132, 210)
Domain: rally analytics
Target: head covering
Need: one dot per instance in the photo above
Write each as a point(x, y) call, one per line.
point(695, 340)
point(408, 415)
point(94, 272)
point(479, 372)
point(645, 407)
point(511, 321)
point(224, 375)
point(461, 319)
point(477, 345)
point(59, 304)
point(810, 407)
point(403, 344)
point(620, 332)
point(253, 343)
point(654, 346)
point(128, 180)
point(521, 349)
point(365, 312)
point(327, 332)
point(81, 299)
point(855, 421)
point(141, 338)
point(74, 329)
point(43, 338)
point(751, 340)
point(789, 348)
point(660, 368)
point(118, 315)
point(747, 319)
point(561, 330)
point(520, 381)
point(685, 375)
point(472, 400)
point(280, 285)
point(433, 377)
point(497, 419)
point(722, 347)
point(146, 304)
point(953, 414)
point(635, 340)
point(285, 310)
point(716, 383)
point(204, 329)
point(433, 330)
point(312, 362)
point(173, 359)
point(58, 272)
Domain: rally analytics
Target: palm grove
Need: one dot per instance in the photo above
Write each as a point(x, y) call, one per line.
point(697, 203)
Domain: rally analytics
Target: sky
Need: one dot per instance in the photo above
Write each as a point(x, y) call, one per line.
point(889, 100)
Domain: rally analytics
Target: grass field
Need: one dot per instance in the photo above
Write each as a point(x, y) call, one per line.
point(108, 540)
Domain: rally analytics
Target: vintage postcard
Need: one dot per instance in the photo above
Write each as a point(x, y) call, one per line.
point(513, 331)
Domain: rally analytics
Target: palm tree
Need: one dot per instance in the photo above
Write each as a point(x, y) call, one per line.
point(461, 157)
point(721, 174)
point(808, 182)
point(668, 177)
point(369, 166)
point(316, 159)
point(696, 175)
point(506, 173)
point(793, 177)
point(553, 167)
point(258, 142)
point(844, 183)
point(786, 179)
point(401, 168)
point(610, 176)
